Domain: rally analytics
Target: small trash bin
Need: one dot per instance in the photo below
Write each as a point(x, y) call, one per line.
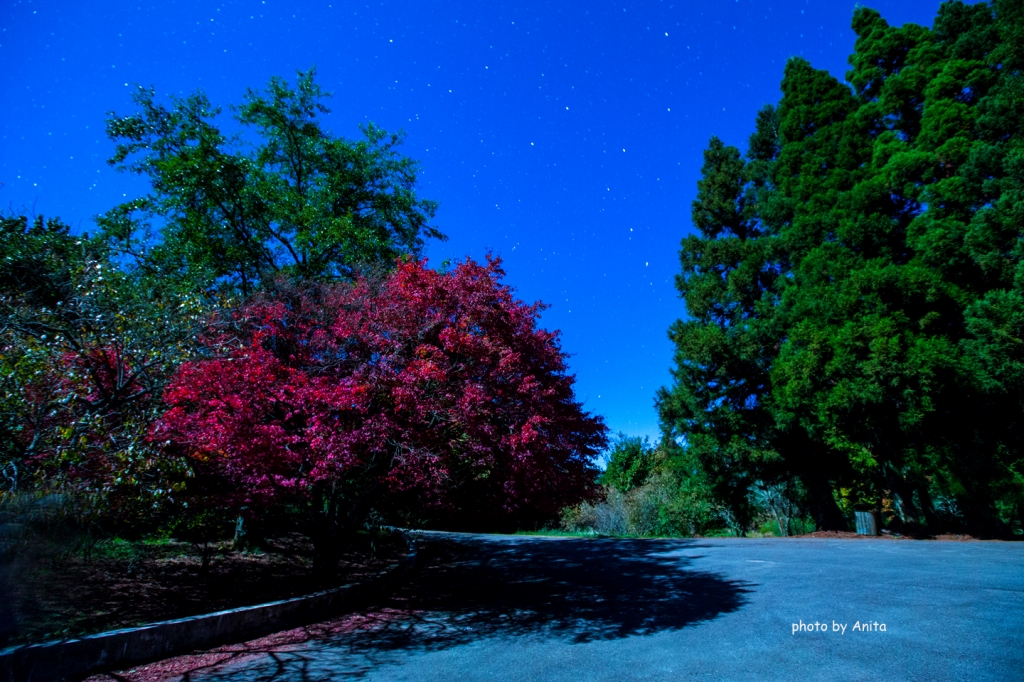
point(868, 522)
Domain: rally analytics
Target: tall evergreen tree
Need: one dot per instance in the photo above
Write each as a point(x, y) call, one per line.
point(728, 279)
point(876, 353)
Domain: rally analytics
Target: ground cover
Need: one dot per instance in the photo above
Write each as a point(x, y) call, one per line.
point(123, 584)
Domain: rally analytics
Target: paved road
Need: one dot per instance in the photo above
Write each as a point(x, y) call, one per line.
point(522, 608)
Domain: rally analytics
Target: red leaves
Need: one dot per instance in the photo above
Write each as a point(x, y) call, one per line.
point(434, 382)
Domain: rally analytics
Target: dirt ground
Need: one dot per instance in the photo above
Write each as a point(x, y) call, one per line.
point(141, 583)
point(847, 535)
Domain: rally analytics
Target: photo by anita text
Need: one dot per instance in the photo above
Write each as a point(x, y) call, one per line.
point(858, 626)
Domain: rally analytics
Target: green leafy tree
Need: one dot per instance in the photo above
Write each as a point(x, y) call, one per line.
point(630, 462)
point(649, 492)
point(85, 350)
point(282, 197)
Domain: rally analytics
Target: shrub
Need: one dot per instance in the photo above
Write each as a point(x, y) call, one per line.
point(666, 505)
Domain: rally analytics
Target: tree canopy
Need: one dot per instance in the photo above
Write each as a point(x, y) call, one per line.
point(85, 352)
point(260, 332)
point(855, 289)
point(280, 196)
point(432, 386)
point(630, 463)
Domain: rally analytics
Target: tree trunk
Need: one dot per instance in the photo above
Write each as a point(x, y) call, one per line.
point(336, 525)
point(205, 552)
point(928, 510)
point(827, 515)
point(325, 556)
point(905, 493)
point(248, 534)
point(324, 534)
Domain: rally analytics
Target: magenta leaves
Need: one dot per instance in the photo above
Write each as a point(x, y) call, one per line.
point(435, 385)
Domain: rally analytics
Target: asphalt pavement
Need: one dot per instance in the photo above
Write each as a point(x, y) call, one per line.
point(484, 607)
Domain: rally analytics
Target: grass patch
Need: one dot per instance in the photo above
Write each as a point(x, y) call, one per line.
point(559, 533)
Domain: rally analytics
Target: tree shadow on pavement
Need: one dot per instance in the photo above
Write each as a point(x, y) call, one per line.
point(581, 590)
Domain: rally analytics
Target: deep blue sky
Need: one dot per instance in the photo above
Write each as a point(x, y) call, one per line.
point(565, 137)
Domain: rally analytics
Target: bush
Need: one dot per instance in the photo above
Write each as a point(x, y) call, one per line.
point(802, 526)
point(666, 505)
point(606, 517)
point(777, 509)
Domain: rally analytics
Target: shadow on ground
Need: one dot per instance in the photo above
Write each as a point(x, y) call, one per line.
point(578, 589)
point(480, 587)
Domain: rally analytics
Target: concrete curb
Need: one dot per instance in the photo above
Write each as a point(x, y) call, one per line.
point(119, 649)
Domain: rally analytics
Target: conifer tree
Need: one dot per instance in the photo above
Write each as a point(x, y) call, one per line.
point(854, 296)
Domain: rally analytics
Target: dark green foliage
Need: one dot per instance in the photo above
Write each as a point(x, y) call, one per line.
point(630, 462)
point(298, 202)
point(36, 260)
point(85, 350)
point(854, 292)
point(649, 492)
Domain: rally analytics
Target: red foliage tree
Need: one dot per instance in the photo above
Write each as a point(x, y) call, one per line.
point(427, 386)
